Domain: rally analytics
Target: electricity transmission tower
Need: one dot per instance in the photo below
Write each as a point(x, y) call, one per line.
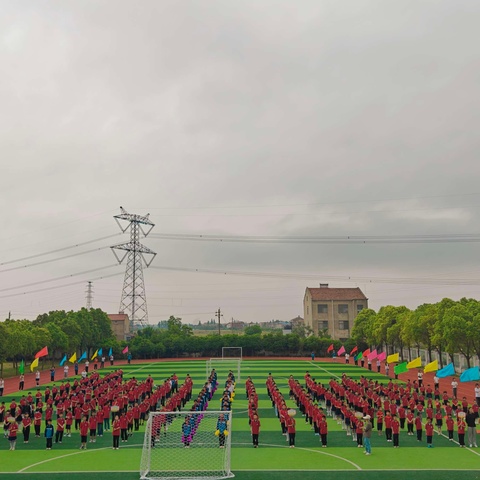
point(134, 300)
point(89, 295)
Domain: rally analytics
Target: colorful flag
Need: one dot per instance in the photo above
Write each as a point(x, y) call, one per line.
point(341, 350)
point(470, 375)
point(62, 362)
point(34, 364)
point(110, 352)
point(431, 367)
point(359, 356)
point(415, 363)
point(382, 356)
point(42, 353)
point(125, 350)
point(354, 349)
point(94, 355)
point(394, 358)
point(373, 355)
point(366, 353)
point(330, 348)
point(447, 371)
point(100, 352)
point(21, 368)
point(73, 358)
point(400, 368)
point(83, 357)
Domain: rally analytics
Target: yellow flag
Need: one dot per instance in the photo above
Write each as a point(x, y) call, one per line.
point(431, 367)
point(34, 364)
point(415, 363)
point(73, 358)
point(95, 354)
point(393, 358)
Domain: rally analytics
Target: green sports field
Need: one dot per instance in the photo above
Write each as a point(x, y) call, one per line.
point(273, 460)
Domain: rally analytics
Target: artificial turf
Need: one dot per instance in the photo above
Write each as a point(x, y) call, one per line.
point(272, 460)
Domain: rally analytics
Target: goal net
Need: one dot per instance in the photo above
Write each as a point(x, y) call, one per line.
point(232, 352)
point(223, 366)
point(187, 446)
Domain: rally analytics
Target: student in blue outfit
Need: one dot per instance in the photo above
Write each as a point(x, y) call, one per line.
point(49, 431)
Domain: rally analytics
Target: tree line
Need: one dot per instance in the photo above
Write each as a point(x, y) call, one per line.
point(446, 327)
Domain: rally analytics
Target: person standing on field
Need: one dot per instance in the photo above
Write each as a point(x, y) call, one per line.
point(367, 434)
point(470, 420)
point(255, 428)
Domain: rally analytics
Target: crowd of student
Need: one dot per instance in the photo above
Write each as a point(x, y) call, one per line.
point(87, 405)
point(253, 417)
point(394, 407)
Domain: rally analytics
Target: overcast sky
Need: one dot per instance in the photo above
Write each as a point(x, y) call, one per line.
point(238, 118)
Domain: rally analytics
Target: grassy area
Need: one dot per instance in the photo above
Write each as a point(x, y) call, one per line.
point(273, 460)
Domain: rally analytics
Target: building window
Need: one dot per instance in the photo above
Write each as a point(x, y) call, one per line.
point(343, 325)
point(343, 308)
point(359, 307)
point(323, 325)
point(322, 308)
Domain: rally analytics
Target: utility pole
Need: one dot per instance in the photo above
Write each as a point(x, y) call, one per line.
point(133, 298)
point(89, 295)
point(218, 314)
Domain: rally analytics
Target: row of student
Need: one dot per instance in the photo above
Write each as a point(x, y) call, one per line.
point(253, 417)
point(344, 400)
point(97, 416)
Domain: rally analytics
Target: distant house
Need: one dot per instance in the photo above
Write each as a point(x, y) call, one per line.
point(298, 321)
point(333, 310)
point(236, 325)
point(120, 326)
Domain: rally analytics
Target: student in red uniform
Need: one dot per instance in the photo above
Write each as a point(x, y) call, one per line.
point(429, 432)
point(419, 426)
point(380, 421)
point(359, 432)
point(388, 426)
point(68, 422)
point(92, 426)
point(37, 422)
point(26, 422)
point(323, 429)
point(123, 427)
point(290, 424)
point(116, 432)
point(450, 423)
point(439, 421)
point(12, 434)
point(461, 426)
point(255, 428)
point(83, 433)
point(410, 422)
point(396, 431)
point(60, 429)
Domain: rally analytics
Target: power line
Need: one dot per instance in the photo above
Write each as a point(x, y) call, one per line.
point(59, 286)
point(63, 277)
point(329, 240)
point(341, 278)
point(30, 257)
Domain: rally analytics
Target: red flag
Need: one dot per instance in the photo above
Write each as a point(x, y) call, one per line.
point(125, 350)
point(354, 349)
point(366, 353)
point(330, 348)
point(42, 353)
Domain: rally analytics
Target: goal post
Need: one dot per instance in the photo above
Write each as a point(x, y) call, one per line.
point(223, 366)
point(187, 446)
point(232, 352)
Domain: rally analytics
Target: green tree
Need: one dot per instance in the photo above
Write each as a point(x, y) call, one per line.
point(254, 329)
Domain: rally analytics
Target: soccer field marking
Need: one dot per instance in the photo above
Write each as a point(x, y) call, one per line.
point(324, 369)
point(79, 452)
point(321, 452)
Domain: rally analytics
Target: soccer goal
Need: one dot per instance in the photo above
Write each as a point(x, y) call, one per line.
point(187, 446)
point(223, 366)
point(232, 352)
